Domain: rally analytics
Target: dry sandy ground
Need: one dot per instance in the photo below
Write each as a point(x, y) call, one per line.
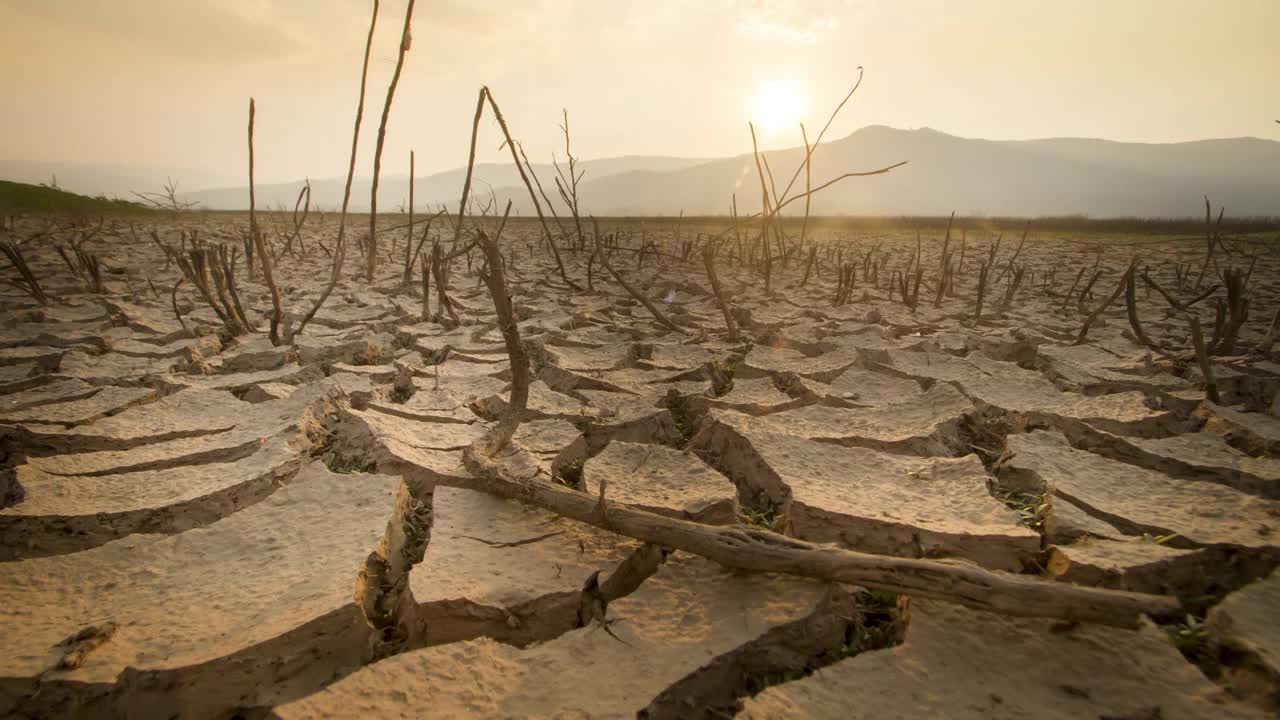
point(187, 517)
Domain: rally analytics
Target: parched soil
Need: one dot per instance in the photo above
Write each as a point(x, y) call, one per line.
point(197, 522)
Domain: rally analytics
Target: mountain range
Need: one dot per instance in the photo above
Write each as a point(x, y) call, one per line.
point(1029, 178)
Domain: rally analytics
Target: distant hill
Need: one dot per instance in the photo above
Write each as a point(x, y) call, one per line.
point(429, 191)
point(107, 179)
point(1024, 178)
point(21, 197)
point(1097, 178)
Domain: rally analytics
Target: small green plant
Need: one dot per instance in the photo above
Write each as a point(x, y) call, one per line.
point(347, 465)
point(1189, 635)
point(1191, 638)
point(765, 515)
point(881, 622)
point(584, 424)
point(1031, 508)
point(721, 377)
point(682, 416)
point(877, 600)
point(638, 352)
point(570, 474)
point(876, 624)
point(537, 356)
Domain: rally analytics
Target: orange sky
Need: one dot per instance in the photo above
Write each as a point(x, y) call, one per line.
point(161, 83)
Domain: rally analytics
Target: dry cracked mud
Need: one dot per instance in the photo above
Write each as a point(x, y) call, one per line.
point(200, 523)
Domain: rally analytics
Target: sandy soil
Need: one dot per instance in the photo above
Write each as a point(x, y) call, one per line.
point(192, 523)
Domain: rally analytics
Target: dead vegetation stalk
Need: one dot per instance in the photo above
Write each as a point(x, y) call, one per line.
point(339, 249)
point(495, 279)
point(1202, 357)
point(264, 257)
point(27, 280)
point(371, 254)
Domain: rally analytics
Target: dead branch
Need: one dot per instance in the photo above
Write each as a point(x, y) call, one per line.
point(984, 269)
point(439, 270)
point(406, 39)
point(426, 290)
point(1015, 282)
point(1238, 298)
point(471, 163)
point(808, 190)
point(166, 200)
point(264, 257)
point(759, 550)
point(339, 249)
point(568, 184)
point(27, 282)
point(765, 212)
point(1093, 316)
point(660, 316)
point(304, 200)
point(413, 253)
point(1264, 345)
point(1131, 307)
point(224, 276)
point(1202, 356)
point(1014, 258)
point(1211, 238)
point(709, 261)
point(409, 253)
point(86, 267)
point(495, 278)
point(173, 300)
point(537, 206)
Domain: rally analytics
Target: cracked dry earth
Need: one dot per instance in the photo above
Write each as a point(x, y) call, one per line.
point(187, 518)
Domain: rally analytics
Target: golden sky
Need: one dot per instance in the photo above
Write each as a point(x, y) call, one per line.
point(165, 83)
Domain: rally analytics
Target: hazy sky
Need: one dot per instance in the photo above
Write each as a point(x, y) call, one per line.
point(166, 82)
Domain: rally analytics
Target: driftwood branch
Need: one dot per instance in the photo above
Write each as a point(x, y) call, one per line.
point(757, 550)
point(660, 316)
point(1093, 316)
point(495, 278)
point(709, 260)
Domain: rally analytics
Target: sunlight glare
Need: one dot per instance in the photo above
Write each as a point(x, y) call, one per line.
point(778, 105)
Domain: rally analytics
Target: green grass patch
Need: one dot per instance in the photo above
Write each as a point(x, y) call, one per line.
point(21, 197)
point(877, 624)
point(570, 474)
point(765, 514)
point(1190, 636)
point(345, 465)
point(1032, 509)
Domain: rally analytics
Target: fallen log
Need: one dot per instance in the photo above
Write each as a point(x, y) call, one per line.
point(658, 315)
point(709, 261)
point(757, 550)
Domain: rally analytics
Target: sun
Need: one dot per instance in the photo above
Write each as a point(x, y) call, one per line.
point(778, 105)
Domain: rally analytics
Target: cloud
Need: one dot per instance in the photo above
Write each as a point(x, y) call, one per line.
point(800, 22)
point(193, 30)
